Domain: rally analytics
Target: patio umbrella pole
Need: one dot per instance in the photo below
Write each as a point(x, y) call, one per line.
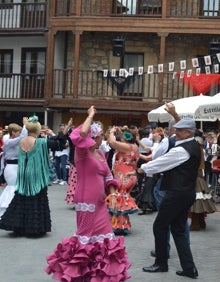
point(201, 125)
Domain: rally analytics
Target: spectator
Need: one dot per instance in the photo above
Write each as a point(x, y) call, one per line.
point(61, 160)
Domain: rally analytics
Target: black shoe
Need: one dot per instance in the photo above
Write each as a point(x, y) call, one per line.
point(192, 273)
point(153, 254)
point(155, 268)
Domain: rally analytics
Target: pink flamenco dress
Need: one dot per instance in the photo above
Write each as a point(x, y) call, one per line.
point(71, 185)
point(93, 253)
point(72, 174)
point(124, 163)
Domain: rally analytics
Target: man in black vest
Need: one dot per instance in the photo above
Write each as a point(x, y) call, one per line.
point(180, 167)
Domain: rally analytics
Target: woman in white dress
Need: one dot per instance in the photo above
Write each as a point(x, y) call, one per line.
point(10, 149)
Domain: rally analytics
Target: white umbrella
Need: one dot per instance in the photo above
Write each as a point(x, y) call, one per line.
point(185, 107)
point(211, 109)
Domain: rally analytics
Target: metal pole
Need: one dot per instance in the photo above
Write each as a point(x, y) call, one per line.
point(45, 117)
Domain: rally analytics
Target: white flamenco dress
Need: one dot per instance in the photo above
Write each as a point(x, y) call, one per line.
point(10, 174)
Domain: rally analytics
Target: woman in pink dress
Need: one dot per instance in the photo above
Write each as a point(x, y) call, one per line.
point(93, 254)
point(72, 174)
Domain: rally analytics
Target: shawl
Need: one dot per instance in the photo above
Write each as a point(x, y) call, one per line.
point(33, 169)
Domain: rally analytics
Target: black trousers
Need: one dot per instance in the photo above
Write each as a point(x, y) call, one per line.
point(173, 212)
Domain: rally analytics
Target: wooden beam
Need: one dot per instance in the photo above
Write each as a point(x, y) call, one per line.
point(50, 65)
point(109, 24)
point(76, 64)
point(162, 61)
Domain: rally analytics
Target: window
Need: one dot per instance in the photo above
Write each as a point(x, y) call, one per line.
point(34, 61)
point(134, 85)
point(6, 1)
point(133, 60)
point(211, 8)
point(125, 6)
point(33, 70)
point(6, 58)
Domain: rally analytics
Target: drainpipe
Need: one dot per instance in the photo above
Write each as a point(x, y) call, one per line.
point(46, 116)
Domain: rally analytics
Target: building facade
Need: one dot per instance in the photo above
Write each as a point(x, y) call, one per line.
point(126, 57)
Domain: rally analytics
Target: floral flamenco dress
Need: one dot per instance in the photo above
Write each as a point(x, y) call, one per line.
point(93, 253)
point(124, 163)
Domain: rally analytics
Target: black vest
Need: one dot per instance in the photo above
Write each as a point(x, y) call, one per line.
point(183, 177)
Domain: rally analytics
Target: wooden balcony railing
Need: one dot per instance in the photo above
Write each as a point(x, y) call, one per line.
point(23, 16)
point(22, 86)
point(138, 8)
point(92, 85)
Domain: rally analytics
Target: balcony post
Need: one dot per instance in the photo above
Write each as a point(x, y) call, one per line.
point(52, 8)
point(76, 63)
point(162, 61)
point(50, 65)
point(164, 8)
point(78, 7)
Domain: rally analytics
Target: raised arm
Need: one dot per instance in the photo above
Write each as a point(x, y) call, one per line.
point(88, 121)
point(170, 108)
point(117, 145)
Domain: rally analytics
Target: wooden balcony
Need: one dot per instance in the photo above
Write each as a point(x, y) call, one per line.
point(22, 88)
point(164, 16)
point(137, 8)
point(137, 92)
point(23, 17)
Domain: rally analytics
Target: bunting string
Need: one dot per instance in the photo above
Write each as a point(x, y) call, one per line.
point(202, 74)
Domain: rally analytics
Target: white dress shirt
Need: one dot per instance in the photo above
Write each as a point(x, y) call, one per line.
point(175, 157)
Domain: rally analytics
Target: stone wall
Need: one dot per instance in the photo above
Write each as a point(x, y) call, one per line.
point(96, 49)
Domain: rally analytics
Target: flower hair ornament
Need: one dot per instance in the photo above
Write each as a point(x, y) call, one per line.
point(33, 119)
point(128, 136)
point(95, 129)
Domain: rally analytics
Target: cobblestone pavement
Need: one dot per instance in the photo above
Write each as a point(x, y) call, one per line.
point(23, 259)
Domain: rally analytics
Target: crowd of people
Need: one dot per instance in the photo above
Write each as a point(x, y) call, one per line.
point(110, 175)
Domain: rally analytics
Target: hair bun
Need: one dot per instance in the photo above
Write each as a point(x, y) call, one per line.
point(33, 119)
point(128, 136)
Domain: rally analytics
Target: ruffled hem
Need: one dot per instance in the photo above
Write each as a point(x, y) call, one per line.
point(73, 261)
point(126, 204)
point(201, 206)
point(121, 232)
point(28, 215)
point(132, 211)
point(5, 199)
